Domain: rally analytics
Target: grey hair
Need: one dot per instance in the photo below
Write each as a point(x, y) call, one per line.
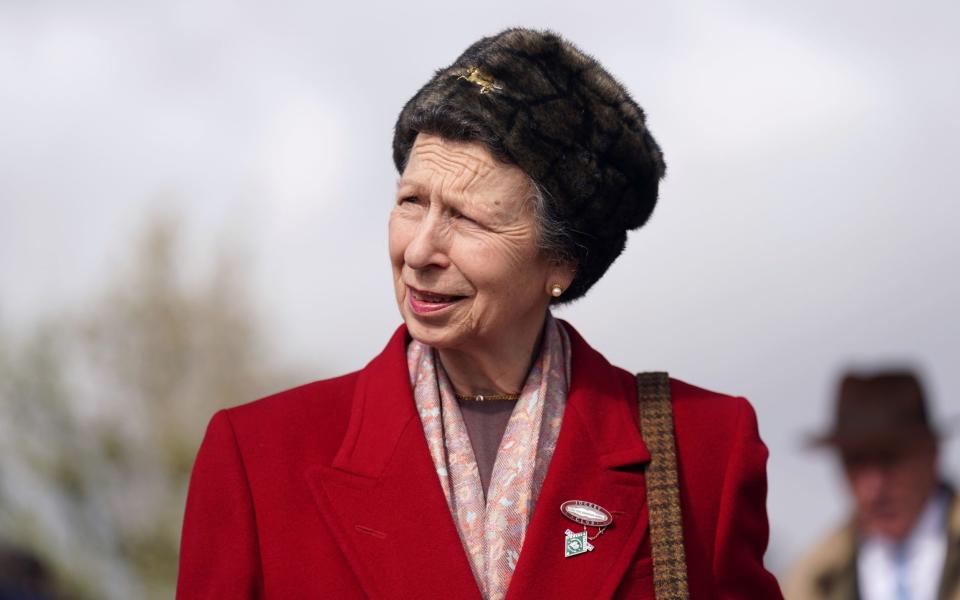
point(553, 235)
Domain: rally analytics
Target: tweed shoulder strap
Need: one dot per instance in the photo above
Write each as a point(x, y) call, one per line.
point(663, 493)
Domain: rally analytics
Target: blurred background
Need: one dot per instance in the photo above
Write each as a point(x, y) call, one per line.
point(194, 202)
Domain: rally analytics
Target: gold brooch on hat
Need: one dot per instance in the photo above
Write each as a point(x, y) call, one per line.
point(486, 83)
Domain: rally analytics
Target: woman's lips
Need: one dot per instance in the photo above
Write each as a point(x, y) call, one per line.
point(422, 302)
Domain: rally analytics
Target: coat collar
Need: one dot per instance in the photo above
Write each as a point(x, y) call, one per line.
point(384, 505)
point(838, 580)
point(950, 581)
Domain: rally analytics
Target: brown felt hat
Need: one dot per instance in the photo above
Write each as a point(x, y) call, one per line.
point(879, 414)
point(539, 102)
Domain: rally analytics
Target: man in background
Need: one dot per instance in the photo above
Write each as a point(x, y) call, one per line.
point(903, 540)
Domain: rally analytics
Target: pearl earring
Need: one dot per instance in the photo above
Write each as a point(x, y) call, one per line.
point(556, 290)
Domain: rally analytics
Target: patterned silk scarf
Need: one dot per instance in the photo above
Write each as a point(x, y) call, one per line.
point(492, 531)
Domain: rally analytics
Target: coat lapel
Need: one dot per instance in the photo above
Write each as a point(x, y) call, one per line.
point(950, 581)
point(381, 496)
point(840, 582)
point(383, 503)
point(600, 457)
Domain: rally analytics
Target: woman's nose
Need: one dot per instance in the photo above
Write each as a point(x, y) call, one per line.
point(426, 249)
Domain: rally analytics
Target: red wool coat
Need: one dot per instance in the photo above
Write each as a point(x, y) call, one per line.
point(329, 491)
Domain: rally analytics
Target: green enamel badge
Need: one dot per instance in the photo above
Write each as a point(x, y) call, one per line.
point(575, 543)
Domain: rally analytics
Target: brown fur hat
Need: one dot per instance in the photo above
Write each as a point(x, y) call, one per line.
point(536, 101)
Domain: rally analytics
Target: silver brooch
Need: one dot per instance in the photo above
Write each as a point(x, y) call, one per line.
point(587, 514)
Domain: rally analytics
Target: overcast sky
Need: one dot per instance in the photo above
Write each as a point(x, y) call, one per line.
point(808, 220)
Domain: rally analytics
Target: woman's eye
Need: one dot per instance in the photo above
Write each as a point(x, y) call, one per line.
point(410, 199)
point(463, 217)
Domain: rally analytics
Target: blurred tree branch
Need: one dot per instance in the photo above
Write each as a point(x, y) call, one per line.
point(101, 414)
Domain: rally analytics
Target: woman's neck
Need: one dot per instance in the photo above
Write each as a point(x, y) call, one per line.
point(501, 369)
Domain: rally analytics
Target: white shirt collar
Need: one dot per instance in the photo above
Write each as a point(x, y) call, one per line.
point(920, 556)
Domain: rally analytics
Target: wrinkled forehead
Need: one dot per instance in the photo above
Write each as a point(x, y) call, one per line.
point(461, 171)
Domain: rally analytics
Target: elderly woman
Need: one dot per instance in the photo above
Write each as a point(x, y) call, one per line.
point(489, 451)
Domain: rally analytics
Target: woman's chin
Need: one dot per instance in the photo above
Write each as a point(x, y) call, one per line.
point(431, 335)
point(437, 333)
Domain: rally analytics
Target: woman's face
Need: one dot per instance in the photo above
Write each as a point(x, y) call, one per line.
point(463, 244)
